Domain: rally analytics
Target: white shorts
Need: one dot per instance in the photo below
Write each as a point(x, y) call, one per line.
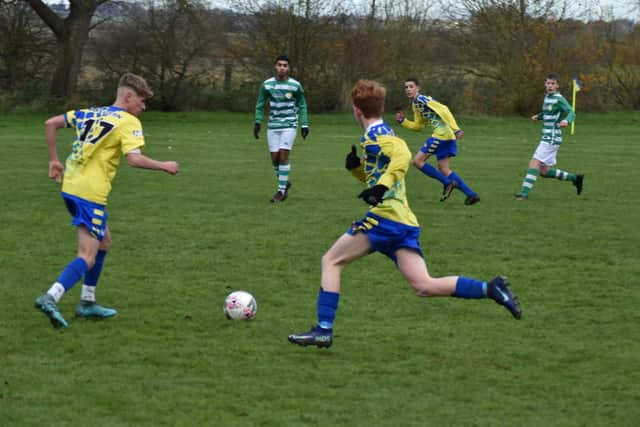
point(280, 139)
point(546, 153)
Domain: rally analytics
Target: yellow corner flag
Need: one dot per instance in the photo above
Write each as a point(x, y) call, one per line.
point(576, 88)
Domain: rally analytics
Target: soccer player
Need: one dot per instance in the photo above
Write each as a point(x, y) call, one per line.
point(556, 114)
point(389, 227)
point(442, 143)
point(286, 103)
point(101, 134)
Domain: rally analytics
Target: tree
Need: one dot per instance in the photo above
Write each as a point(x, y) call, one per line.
point(166, 41)
point(72, 33)
point(26, 47)
point(514, 43)
point(305, 30)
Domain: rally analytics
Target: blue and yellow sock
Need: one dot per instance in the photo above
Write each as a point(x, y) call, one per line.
point(462, 185)
point(434, 173)
point(327, 307)
point(467, 287)
point(72, 273)
point(91, 278)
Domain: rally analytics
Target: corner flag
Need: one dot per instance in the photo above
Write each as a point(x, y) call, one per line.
point(576, 88)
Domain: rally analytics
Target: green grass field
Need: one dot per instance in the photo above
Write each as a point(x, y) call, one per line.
point(180, 244)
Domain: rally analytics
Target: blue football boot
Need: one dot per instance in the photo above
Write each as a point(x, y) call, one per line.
point(317, 336)
point(47, 305)
point(498, 290)
point(92, 310)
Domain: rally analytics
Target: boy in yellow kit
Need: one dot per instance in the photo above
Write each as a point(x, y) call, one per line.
point(442, 143)
point(101, 135)
point(388, 227)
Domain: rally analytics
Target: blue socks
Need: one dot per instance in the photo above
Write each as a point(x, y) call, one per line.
point(327, 306)
point(92, 276)
point(434, 173)
point(469, 288)
point(462, 185)
point(72, 273)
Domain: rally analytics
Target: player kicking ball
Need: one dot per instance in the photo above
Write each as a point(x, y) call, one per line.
point(101, 135)
point(389, 227)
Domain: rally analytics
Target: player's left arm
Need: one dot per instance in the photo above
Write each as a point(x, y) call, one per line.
point(132, 142)
point(51, 126)
point(567, 111)
point(136, 159)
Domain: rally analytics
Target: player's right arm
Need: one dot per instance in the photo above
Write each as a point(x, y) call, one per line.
point(51, 126)
point(417, 124)
point(263, 95)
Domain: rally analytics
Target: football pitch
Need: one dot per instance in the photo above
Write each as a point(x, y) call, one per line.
point(182, 243)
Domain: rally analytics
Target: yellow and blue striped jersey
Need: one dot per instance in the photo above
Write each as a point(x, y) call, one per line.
point(426, 109)
point(385, 161)
point(102, 133)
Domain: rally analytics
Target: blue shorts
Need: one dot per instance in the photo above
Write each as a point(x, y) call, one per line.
point(83, 212)
point(387, 236)
point(442, 148)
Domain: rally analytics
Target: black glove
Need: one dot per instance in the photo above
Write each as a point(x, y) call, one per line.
point(373, 196)
point(352, 161)
point(304, 132)
point(256, 130)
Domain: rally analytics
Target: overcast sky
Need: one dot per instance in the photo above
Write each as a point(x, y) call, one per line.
point(619, 8)
point(605, 8)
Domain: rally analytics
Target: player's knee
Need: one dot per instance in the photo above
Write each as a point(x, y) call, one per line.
point(106, 243)
point(419, 163)
point(89, 259)
point(330, 261)
point(420, 287)
point(424, 287)
point(421, 290)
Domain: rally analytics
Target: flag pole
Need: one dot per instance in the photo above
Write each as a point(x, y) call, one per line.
point(573, 105)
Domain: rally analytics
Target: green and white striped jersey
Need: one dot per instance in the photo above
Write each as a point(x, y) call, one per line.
point(286, 102)
point(554, 109)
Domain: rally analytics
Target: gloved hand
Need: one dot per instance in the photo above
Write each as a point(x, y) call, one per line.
point(256, 130)
point(304, 131)
point(352, 161)
point(373, 196)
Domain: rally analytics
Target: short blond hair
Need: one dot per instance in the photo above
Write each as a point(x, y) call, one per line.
point(137, 83)
point(368, 96)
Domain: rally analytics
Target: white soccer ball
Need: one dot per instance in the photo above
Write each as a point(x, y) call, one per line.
point(240, 305)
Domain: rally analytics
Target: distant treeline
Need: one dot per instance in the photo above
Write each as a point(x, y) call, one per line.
point(487, 57)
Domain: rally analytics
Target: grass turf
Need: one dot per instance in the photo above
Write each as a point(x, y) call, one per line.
point(182, 243)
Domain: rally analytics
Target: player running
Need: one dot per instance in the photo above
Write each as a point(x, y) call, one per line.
point(442, 143)
point(389, 227)
point(556, 114)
